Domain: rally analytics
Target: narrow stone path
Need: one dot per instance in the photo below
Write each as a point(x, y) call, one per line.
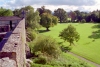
point(95, 64)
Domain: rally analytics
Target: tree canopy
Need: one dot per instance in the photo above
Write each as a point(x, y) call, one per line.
point(70, 34)
point(61, 14)
point(48, 20)
point(5, 12)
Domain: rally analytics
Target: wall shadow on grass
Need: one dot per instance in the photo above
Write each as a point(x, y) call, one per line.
point(42, 31)
point(95, 34)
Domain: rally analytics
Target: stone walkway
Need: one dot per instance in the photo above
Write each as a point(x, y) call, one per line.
point(95, 64)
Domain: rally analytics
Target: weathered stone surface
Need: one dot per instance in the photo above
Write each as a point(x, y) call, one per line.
point(27, 50)
point(28, 62)
point(6, 62)
point(14, 44)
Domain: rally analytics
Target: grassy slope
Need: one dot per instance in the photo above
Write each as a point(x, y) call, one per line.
point(86, 47)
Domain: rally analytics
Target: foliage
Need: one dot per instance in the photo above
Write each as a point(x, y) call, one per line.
point(54, 20)
point(5, 12)
point(43, 10)
point(70, 34)
point(47, 20)
point(72, 15)
point(65, 60)
point(32, 20)
point(31, 34)
point(40, 60)
point(66, 48)
point(83, 21)
point(48, 46)
point(32, 17)
point(16, 12)
point(61, 14)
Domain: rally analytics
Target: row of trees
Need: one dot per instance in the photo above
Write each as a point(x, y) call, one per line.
point(60, 13)
point(47, 18)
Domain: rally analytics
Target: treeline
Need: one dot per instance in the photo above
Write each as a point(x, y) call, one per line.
point(60, 13)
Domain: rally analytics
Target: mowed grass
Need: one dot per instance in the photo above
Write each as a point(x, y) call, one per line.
point(89, 44)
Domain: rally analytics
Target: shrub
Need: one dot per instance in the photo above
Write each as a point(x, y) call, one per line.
point(83, 21)
point(40, 60)
point(48, 46)
point(66, 48)
point(31, 34)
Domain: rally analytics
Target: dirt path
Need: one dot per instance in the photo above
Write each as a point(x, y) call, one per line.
point(97, 65)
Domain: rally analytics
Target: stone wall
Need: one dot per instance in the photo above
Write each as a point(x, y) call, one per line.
point(13, 46)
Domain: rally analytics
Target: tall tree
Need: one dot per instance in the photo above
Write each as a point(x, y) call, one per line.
point(70, 34)
point(48, 20)
point(5, 12)
point(61, 14)
point(72, 15)
point(43, 10)
point(17, 12)
point(32, 20)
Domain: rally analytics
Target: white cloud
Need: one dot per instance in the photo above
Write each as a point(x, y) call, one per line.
point(82, 5)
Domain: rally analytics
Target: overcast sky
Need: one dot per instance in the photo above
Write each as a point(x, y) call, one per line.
point(82, 5)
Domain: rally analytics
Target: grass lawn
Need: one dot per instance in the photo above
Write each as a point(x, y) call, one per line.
point(89, 44)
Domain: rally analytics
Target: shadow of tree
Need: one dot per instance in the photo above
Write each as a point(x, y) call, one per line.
point(42, 31)
point(96, 26)
point(95, 34)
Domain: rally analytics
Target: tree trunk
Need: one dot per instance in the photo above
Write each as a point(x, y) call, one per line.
point(47, 28)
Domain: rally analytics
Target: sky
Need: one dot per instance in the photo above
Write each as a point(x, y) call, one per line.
point(68, 5)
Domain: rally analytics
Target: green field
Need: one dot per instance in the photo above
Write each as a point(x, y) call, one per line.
point(89, 44)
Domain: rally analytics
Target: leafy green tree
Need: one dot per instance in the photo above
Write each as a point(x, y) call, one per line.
point(17, 12)
point(48, 20)
point(8, 12)
point(32, 20)
point(32, 17)
point(5, 12)
point(43, 10)
point(70, 34)
point(72, 15)
point(47, 46)
point(61, 14)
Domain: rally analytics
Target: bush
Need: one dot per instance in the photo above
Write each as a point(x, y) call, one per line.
point(31, 34)
point(66, 48)
point(48, 46)
point(40, 60)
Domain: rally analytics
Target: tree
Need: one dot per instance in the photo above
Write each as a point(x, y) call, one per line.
point(61, 14)
point(32, 20)
point(32, 17)
point(70, 34)
point(47, 20)
point(5, 12)
point(17, 12)
point(72, 15)
point(46, 45)
point(43, 10)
